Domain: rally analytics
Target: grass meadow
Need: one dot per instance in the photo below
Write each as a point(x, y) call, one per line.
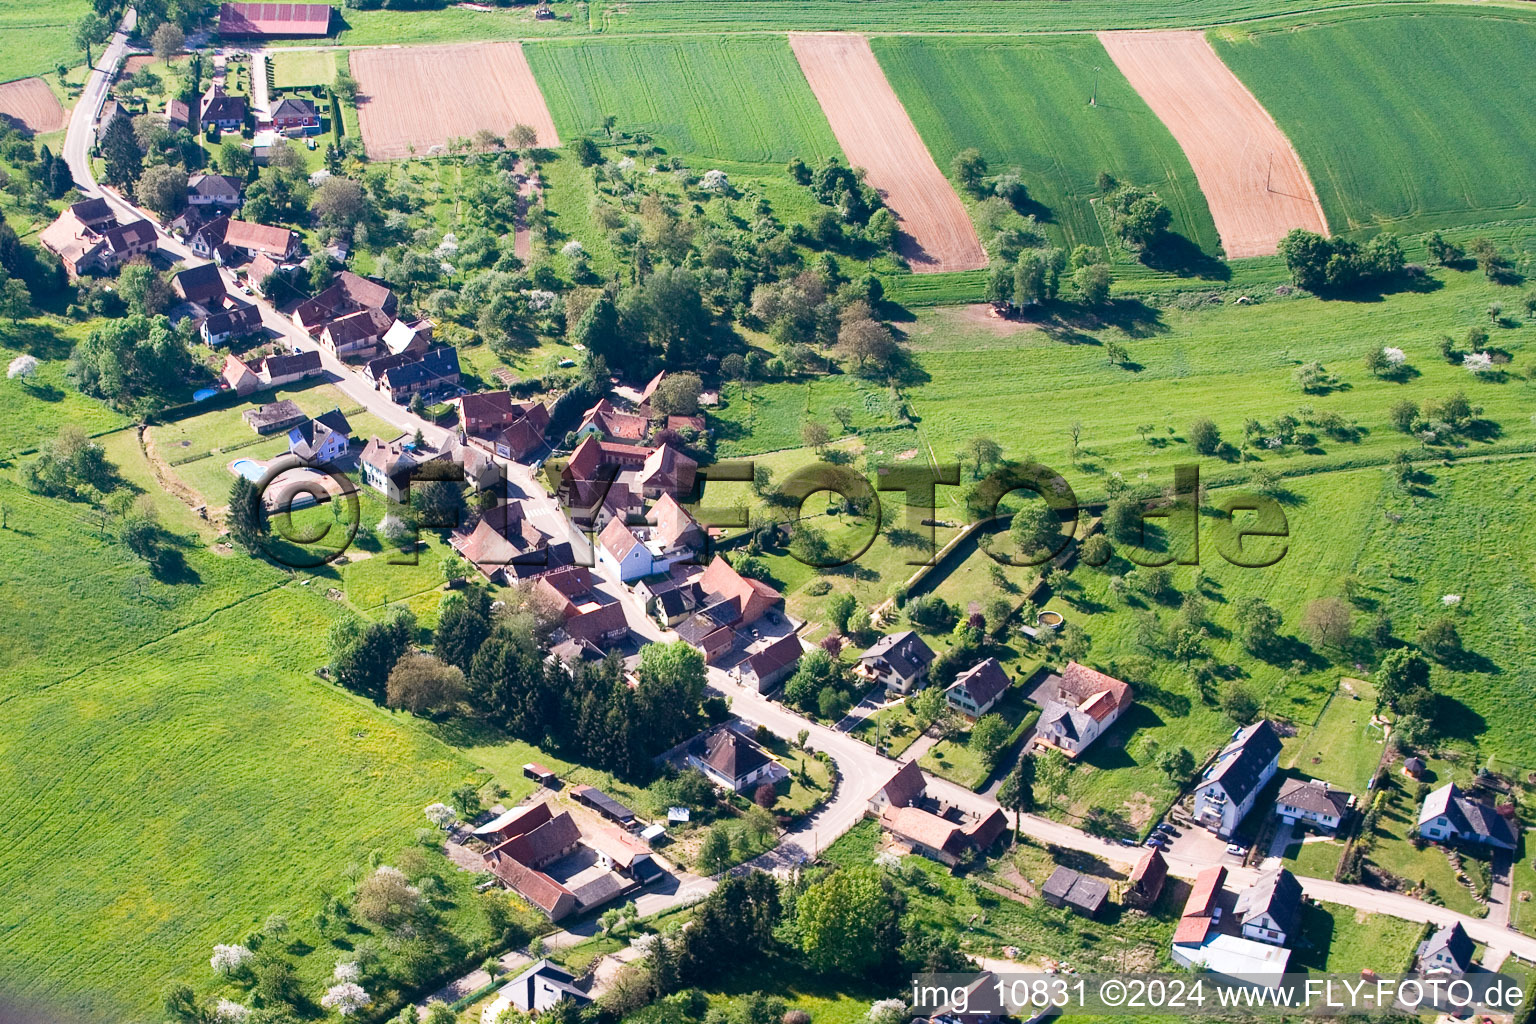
point(35, 37)
point(294, 68)
point(740, 98)
point(1408, 123)
point(1024, 104)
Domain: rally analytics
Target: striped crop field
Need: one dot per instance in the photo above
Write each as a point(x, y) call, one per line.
point(1024, 103)
point(1408, 122)
point(741, 98)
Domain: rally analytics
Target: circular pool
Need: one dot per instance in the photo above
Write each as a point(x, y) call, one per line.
point(1050, 620)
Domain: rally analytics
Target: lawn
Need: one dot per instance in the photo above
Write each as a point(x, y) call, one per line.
point(1318, 858)
point(1343, 940)
point(35, 37)
point(1403, 122)
point(894, 726)
point(292, 69)
point(173, 714)
point(1522, 911)
point(753, 419)
point(953, 757)
point(35, 409)
point(1428, 868)
point(1342, 747)
point(741, 98)
point(956, 91)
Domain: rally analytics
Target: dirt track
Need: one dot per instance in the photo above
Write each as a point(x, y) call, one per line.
point(1252, 178)
point(876, 134)
point(32, 105)
point(422, 96)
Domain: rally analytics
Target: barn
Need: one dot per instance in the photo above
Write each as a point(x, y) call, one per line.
point(261, 21)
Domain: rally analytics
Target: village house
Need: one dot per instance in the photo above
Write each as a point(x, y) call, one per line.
point(621, 552)
point(1077, 707)
point(1312, 801)
point(608, 423)
point(98, 246)
point(437, 369)
point(213, 190)
point(355, 334)
point(276, 370)
point(769, 662)
point(347, 293)
point(408, 336)
point(294, 116)
point(540, 986)
point(481, 472)
point(731, 602)
point(589, 614)
point(899, 662)
point(977, 689)
point(111, 110)
point(238, 376)
point(223, 109)
point(595, 484)
point(1227, 790)
point(903, 789)
point(1080, 893)
point(274, 417)
point(667, 471)
point(388, 465)
point(734, 762)
point(505, 546)
point(1208, 936)
point(495, 421)
point(1270, 909)
point(202, 284)
point(1450, 950)
point(238, 320)
point(245, 240)
point(936, 836)
point(322, 440)
point(1449, 814)
point(95, 213)
point(180, 114)
point(549, 860)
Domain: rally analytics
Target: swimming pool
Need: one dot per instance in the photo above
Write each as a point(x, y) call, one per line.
point(248, 469)
point(204, 393)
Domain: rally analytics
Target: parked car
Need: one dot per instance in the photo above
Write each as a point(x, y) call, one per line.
point(1127, 841)
point(1236, 850)
point(1155, 842)
point(1167, 829)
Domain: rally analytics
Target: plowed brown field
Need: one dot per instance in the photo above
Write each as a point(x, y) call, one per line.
point(1252, 178)
point(422, 96)
point(32, 105)
point(876, 134)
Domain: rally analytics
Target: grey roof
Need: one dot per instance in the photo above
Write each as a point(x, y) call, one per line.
point(440, 364)
point(1468, 817)
point(1314, 796)
point(1077, 889)
point(983, 682)
point(776, 656)
point(905, 652)
point(1241, 763)
point(1454, 942)
point(733, 755)
point(1276, 893)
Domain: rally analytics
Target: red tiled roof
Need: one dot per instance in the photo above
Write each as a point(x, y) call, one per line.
point(674, 526)
point(1081, 684)
point(905, 786)
point(1196, 920)
point(263, 238)
point(540, 845)
point(245, 19)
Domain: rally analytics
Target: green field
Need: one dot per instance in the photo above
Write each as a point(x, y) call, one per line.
point(34, 37)
point(742, 98)
point(171, 771)
point(1343, 940)
point(1024, 104)
point(35, 409)
point(1404, 122)
point(294, 68)
point(1343, 747)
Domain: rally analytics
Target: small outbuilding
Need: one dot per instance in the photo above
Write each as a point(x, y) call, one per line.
point(538, 773)
point(1083, 894)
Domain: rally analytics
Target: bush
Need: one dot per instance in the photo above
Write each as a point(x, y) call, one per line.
point(1204, 438)
point(931, 614)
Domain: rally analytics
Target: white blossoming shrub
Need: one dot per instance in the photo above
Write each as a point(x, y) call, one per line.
point(227, 1011)
point(572, 249)
point(1394, 356)
point(346, 998)
point(538, 300)
point(888, 1011)
point(715, 181)
point(21, 366)
point(888, 861)
point(441, 815)
point(394, 529)
point(627, 164)
point(1451, 600)
point(1477, 362)
point(347, 970)
point(230, 959)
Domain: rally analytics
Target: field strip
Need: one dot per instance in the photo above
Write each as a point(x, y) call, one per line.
point(876, 134)
point(30, 104)
point(1252, 177)
point(414, 98)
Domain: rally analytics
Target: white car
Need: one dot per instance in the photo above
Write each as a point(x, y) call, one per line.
point(1235, 850)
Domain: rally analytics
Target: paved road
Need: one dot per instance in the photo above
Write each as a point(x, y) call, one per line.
point(77, 142)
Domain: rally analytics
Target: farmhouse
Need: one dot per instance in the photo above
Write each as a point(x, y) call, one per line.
point(1081, 893)
point(277, 416)
point(768, 665)
point(246, 240)
point(1449, 814)
point(347, 293)
point(356, 333)
point(1270, 909)
point(321, 440)
point(1229, 786)
point(607, 423)
point(202, 284)
point(902, 789)
point(667, 471)
point(734, 762)
point(510, 429)
point(223, 109)
point(239, 320)
point(1449, 950)
point(388, 465)
point(730, 602)
point(239, 377)
point(549, 861)
point(100, 246)
point(1077, 707)
point(939, 838)
point(293, 115)
point(589, 614)
point(210, 190)
point(1207, 936)
point(266, 21)
point(899, 661)
point(977, 689)
point(1312, 801)
point(505, 546)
